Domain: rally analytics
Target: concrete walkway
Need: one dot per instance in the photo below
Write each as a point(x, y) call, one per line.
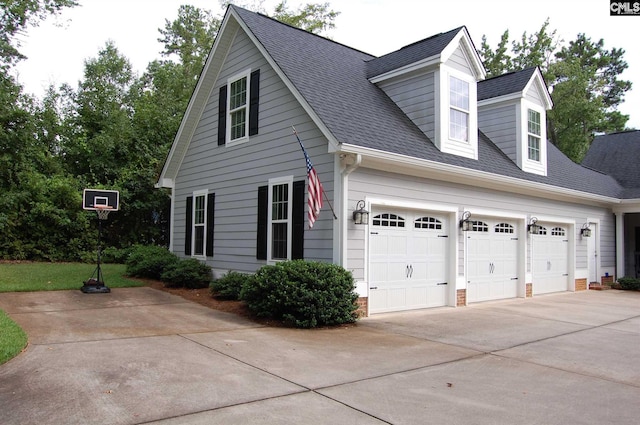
point(138, 355)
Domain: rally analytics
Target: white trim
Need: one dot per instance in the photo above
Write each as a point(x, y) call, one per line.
point(288, 180)
point(196, 194)
point(239, 76)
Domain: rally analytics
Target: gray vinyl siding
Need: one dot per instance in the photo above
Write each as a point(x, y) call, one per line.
point(499, 124)
point(416, 97)
point(401, 188)
point(458, 60)
point(234, 173)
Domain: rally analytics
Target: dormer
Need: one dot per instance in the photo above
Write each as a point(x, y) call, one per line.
point(512, 113)
point(434, 82)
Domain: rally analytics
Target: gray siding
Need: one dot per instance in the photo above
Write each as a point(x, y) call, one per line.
point(401, 188)
point(458, 60)
point(415, 96)
point(234, 173)
point(533, 95)
point(499, 124)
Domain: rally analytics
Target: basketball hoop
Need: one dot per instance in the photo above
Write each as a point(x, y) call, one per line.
point(103, 211)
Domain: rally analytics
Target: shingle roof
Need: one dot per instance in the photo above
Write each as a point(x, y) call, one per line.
point(412, 53)
point(333, 80)
point(617, 155)
point(512, 82)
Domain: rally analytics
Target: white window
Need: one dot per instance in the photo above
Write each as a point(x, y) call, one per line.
point(280, 214)
point(238, 107)
point(534, 135)
point(458, 109)
point(199, 223)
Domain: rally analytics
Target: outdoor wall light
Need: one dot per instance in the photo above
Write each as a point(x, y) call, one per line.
point(465, 223)
point(532, 227)
point(360, 215)
point(585, 232)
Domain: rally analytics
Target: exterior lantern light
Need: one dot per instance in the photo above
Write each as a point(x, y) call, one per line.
point(532, 227)
point(465, 223)
point(360, 215)
point(585, 232)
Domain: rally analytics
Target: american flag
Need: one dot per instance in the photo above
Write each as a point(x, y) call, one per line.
point(314, 201)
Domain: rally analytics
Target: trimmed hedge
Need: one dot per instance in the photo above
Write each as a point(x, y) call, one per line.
point(305, 294)
point(189, 273)
point(629, 283)
point(230, 285)
point(149, 261)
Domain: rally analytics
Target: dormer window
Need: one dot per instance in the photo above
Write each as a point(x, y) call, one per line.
point(458, 109)
point(534, 133)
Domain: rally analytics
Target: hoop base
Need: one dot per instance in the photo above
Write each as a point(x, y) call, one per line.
point(92, 286)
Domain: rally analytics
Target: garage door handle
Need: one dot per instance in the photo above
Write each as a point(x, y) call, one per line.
point(373, 287)
point(514, 278)
point(442, 283)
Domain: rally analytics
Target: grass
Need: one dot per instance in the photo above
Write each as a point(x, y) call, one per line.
point(12, 338)
point(25, 277)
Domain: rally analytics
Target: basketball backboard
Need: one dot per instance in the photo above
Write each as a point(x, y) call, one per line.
point(95, 199)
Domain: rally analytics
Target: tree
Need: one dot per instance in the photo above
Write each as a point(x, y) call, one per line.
point(583, 79)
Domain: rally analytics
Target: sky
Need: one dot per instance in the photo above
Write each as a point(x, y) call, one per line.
point(58, 47)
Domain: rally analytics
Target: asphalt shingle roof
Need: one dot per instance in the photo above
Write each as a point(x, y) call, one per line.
point(333, 80)
point(512, 82)
point(617, 155)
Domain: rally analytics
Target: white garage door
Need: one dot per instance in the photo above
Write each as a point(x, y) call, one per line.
point(492, 260)
point(407, 261)
point(550, 259)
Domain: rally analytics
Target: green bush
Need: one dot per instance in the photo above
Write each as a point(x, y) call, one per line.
point(149, 261)
point(230, 285)
point(189, 273)
point(303, 293)
point(629, 283)
point(115, 255)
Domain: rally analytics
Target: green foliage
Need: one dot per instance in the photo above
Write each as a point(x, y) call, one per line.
point(188, 273)
point(312, 17)
point(12, 338)
point(305, 294)
point(230, 285)
point(629, 283)
point(149, 261)
point(115, 255)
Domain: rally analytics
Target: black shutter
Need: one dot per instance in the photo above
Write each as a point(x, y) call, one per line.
point(297, 233)
point(254, 89)
point(263, 200)
point(222, 116)
point(188, 226)
point(211, 202)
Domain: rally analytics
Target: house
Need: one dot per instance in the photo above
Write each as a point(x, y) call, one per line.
point(467, 201)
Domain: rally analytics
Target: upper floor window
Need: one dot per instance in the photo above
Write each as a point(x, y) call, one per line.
point(534, 133)
point(238, 108)
point(458, 109)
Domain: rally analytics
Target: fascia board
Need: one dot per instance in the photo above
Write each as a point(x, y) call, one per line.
point(463, 39)
point(453, 173)
point(407, 69)
point(500, 99)
point(628, 206)
point(195, 108)
point(333, 142)
point(537, 79)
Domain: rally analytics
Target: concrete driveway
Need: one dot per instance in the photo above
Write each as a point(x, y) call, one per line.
point(138, 355)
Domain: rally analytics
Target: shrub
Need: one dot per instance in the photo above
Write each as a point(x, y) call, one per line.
point(302, 293)
point(189, 273)
point(149, 261)
point(115, 255)
point(629, 283)
point(230, 285)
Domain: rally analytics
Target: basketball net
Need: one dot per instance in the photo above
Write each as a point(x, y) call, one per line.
point(103, 211)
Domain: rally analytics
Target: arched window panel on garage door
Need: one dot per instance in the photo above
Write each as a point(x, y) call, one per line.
point(503, 228)
point(558, 231)
point(428, 223)
point(479, 226)
point(388, 220)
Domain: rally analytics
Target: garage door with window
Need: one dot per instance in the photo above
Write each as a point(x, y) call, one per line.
point(550, 259)
point(407, 261)
point(492, 260)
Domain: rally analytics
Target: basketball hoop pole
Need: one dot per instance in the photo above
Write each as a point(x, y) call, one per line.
point(96, 284)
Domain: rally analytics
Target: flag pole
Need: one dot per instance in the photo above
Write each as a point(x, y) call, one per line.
point(335, 217)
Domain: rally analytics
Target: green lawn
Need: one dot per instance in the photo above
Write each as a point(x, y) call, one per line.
point(22, 277)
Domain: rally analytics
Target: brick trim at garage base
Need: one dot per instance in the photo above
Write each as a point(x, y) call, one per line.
point(606, 280)
point(363, 305)
point(529, 290)
point(581, 284)
point(461, 297)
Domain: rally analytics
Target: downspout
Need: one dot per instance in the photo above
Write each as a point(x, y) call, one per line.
point(348, 169)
